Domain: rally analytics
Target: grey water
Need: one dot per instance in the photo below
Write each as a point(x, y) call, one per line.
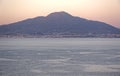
point(59, 57)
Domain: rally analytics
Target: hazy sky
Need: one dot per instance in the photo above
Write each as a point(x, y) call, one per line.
point(102, 10)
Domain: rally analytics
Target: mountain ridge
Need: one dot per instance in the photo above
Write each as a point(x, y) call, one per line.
point(59, 24)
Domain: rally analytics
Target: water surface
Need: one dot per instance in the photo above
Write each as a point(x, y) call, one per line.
point(59, 57)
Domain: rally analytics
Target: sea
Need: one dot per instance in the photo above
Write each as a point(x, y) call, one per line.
point(59, 56)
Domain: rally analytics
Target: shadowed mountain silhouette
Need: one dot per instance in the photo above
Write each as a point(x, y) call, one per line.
point(58, 23)
point(59, 15)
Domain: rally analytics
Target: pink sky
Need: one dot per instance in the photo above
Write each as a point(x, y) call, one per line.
point(102, 10)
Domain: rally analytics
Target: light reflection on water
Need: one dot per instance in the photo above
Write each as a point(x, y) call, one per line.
point(59, 57)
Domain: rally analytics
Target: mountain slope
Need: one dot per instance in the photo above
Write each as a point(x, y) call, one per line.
point(58, 23)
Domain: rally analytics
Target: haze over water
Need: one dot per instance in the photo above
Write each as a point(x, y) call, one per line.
point(59, 57)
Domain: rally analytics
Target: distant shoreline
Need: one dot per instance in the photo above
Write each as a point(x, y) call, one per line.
point(59, 36)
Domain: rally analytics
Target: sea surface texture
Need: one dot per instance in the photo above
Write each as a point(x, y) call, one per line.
point(59, 57)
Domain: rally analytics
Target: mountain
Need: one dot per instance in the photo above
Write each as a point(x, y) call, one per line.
point(59, 24)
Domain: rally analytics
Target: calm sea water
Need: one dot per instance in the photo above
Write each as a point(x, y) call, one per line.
point(59, 57)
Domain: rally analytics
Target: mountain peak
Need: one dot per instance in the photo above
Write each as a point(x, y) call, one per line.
point(59, 24)
point(59, 14)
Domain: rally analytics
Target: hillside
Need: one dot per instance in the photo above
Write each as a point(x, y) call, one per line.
point(59, 24)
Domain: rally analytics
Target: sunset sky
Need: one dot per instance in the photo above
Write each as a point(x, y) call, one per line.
point(102, 10)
